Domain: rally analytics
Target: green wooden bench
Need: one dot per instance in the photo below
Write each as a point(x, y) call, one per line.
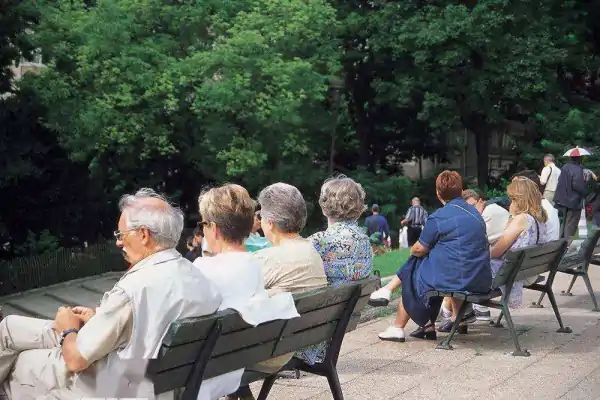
point(518, 265)
point(577, 265)
point(195, 349)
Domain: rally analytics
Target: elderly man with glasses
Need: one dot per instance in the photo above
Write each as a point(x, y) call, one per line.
point(103, 352)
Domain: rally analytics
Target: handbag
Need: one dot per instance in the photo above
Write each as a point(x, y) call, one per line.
point(404, 238)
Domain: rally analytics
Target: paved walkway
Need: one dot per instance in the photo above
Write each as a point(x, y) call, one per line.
point(44, 302)
point(561, 366)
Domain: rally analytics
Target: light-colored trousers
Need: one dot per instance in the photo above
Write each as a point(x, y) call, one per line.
point(31, 363)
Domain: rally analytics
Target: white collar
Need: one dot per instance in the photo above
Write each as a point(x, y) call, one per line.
point(154, 259)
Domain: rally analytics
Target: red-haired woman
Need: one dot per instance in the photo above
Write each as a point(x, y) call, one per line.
point(451, 255)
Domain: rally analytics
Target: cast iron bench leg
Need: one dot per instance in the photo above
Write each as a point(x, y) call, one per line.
point(334, 382)
point(518, 352)
point(266, 387)
point(590, 289)
point(538, 304)
point(562, 328)
point(568, 291)
point(497, 324)
point(445, 344)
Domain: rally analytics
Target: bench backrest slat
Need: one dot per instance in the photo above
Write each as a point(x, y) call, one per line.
point(588, 247)
point(540, 259)
point(529, 262)
point(305, 338)
point(176, 378)
point(240, 345)
point(172, 357)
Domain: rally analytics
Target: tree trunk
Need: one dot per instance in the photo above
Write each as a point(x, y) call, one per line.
point(358, 80)
point(333, 137)
point(362, 132)
point(482, 146)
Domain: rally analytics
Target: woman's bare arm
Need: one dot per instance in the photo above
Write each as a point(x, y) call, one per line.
point(511, 233)
point(418, 250)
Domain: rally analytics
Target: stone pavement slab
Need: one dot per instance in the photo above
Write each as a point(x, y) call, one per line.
point(44, 302)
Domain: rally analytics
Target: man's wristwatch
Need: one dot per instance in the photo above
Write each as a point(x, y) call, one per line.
point(64, 334)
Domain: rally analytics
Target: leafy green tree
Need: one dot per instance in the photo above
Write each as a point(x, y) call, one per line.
point(16, 19)
point(473, 66)
point(219, 90)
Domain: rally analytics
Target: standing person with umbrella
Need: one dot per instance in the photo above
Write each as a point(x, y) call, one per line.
point(570, 191)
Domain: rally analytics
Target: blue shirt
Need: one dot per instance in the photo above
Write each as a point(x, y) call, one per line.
point(459, 256)
point(377, 223)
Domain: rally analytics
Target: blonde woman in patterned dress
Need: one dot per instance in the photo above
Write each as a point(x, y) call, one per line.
point(343, 246)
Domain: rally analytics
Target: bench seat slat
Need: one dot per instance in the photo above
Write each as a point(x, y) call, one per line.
point(477, 298)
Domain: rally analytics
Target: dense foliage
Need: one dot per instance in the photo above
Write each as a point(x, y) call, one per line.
point(180, 94)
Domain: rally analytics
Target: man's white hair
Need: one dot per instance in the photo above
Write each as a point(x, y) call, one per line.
point(164, 221)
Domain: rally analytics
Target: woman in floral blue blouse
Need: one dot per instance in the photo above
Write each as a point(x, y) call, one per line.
point(344, 247)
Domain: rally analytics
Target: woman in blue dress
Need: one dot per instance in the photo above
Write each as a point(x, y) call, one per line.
point(452, 255)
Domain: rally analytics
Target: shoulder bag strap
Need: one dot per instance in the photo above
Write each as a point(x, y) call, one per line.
point(470, 213)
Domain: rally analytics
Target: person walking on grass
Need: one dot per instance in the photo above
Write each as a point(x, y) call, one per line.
point(377, 223)
point(414, 220)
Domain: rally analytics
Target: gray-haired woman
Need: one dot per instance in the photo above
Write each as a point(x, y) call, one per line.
point(292, 264)
point(344, 248)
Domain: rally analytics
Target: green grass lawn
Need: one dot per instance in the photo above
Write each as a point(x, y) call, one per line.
point(387, 264)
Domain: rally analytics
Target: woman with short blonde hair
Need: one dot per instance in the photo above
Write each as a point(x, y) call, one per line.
point(526, 227)
point(228, 212)
point(227, 216)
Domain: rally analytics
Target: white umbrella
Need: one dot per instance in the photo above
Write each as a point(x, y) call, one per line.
point(577, 152)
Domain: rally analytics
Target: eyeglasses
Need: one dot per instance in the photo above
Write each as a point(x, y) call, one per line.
point(119, 235)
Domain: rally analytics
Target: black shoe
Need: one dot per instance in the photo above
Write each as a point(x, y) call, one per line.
point(446, 326)
point(422, 333)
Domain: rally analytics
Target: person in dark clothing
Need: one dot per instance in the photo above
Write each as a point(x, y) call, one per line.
point(570, 192)
point(593, 200)
point(377, 223)
point(414, 220)
point(194, 245)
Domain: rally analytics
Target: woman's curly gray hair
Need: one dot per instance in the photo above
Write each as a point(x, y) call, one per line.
point(342, 199)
